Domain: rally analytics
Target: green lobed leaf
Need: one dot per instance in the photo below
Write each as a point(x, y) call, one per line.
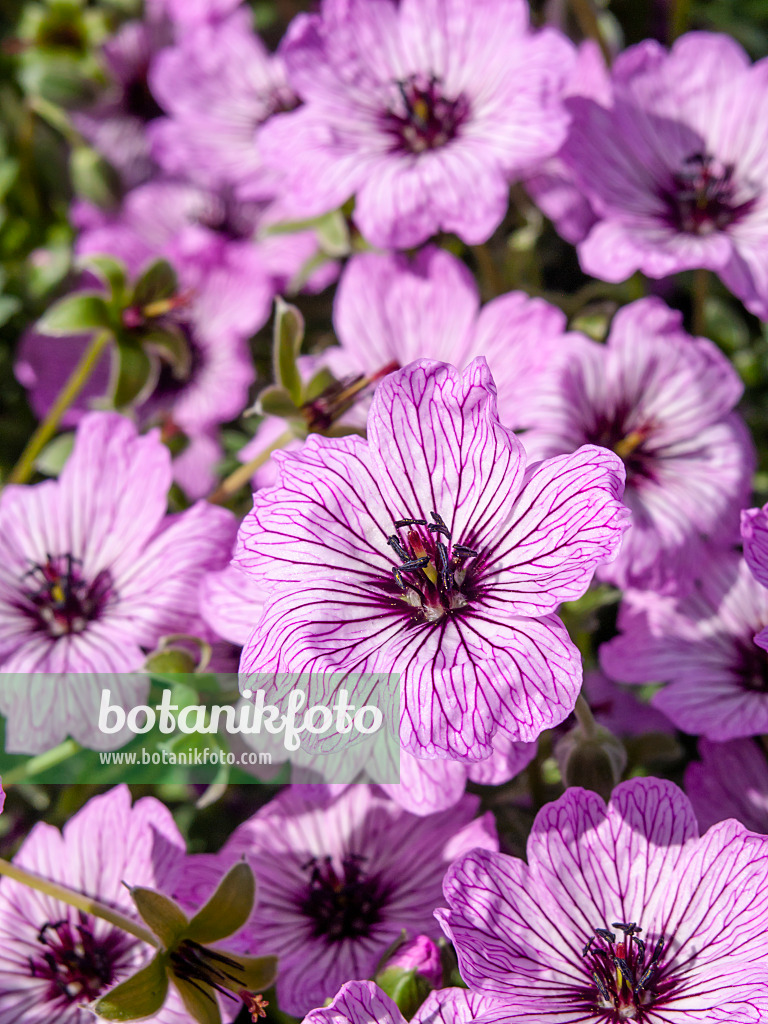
point(228, 909)
point(141, 995)
point(75, 314)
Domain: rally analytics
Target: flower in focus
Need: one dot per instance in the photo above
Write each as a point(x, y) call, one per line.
point(704, 646)
point(92, 574)
point(232, 603)
point(730, 781)
point(672, 165)
point(620, 913)
point(425, 110)
point(431, 552)
point(55, 959)
point(663, 402)
point(339, 878)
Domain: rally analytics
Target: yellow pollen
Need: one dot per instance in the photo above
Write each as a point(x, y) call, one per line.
point(628, 444)
point(159, 307)
point(421, 110)
point(57, 593)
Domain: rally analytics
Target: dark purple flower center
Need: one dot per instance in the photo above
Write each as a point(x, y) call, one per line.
point(630, 443)
point(62, 600)
point(170, 383)
point(229, 216)
point(752, 667)
point(342, 903)
point(626, 972)
point(138, 99)
point(422, 117)
point(77, 965)
point(704, 197)
point(433, 574)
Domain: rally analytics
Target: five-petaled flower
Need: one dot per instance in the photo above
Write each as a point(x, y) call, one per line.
point(431, 551)
point(622, 913)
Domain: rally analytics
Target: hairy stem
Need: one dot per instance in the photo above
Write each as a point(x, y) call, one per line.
point(78, 901)
point(678, 21)
point(37, 765)
point(240, 477)
point(590, 26)
point(24, 468)
point(585, 718)
point(700, 292)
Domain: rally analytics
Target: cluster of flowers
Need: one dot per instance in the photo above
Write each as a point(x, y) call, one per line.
point(492, 466)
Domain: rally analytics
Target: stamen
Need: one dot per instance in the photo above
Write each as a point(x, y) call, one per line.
point(440, 582)
point(621, 974)
point(438, 526)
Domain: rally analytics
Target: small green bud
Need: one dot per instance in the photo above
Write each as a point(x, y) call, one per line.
point(595, 761)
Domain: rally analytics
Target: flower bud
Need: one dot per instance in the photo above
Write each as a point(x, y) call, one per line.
point(411, 973)
point(593, 761)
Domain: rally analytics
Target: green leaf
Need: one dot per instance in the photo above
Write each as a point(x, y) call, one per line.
point(275, 401)
point(164, 917)
point(172, 347)
point(171, 660)
point(258, 972)
point(133, 374)
point(288, 336)
point(405, 987)
point(141, 995)
point(156, 283)
point(51, 459)
point(9, 306)
point(319, 383)
point(333, 234)
point(93, 178)
point(199, 1001)
point(228, 909)
point(109, 270)
point(75, 314)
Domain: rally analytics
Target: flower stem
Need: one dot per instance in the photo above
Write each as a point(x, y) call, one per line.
point(490, 277)
point(56, 118)
point(78, 901)
point(678, 21)
point(45, 431)
point(590, 26)
point(41, 763)
point(232, 484)
point(700, 291)
point(584, 717)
